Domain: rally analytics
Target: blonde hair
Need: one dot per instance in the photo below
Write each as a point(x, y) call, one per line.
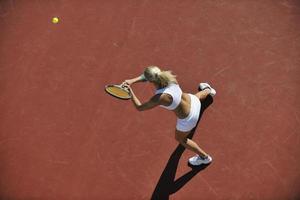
point(161, 78)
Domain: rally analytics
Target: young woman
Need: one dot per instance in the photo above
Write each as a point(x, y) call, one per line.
point(185, 106)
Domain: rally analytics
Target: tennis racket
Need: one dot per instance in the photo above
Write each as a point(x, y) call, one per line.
point(118, 91)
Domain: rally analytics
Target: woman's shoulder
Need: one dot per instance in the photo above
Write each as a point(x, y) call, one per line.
point(172, 84)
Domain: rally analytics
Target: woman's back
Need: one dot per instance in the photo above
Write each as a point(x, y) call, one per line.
point(183, 109)
point(174, 91)
point(174, 99)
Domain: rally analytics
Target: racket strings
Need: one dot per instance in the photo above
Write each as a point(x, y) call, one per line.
point(121, 92)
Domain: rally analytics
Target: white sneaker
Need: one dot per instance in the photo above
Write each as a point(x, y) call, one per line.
point(197, 160)
point(203, 86)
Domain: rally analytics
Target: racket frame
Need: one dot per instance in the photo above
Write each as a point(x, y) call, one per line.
point(120, 87)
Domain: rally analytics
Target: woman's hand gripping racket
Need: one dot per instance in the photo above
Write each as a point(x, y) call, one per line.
point(121, 91)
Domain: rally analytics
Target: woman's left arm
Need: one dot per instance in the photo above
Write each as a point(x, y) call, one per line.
point(154, 101)
point(140, 78)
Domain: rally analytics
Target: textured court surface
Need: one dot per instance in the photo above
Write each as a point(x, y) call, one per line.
point(62, 137)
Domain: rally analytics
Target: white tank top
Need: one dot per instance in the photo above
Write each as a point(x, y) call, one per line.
point(175, 91)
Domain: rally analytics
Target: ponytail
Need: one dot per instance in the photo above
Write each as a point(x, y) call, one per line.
point(162, 78)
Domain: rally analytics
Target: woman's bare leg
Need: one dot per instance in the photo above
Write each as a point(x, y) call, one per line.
point(181, 137)
point(203, 94)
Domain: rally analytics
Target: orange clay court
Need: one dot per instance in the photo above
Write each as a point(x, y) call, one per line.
point(63, 138)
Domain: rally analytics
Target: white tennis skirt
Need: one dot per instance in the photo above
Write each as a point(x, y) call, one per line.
point(190, 122)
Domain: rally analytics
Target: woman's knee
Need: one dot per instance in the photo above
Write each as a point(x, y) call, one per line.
point(181, 137)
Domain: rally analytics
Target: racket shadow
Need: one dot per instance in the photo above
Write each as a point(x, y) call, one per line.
point(167, 184)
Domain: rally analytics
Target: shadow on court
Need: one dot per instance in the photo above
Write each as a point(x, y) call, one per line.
point(167, 184)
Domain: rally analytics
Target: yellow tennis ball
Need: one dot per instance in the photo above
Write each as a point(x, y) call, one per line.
point(55, 20)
